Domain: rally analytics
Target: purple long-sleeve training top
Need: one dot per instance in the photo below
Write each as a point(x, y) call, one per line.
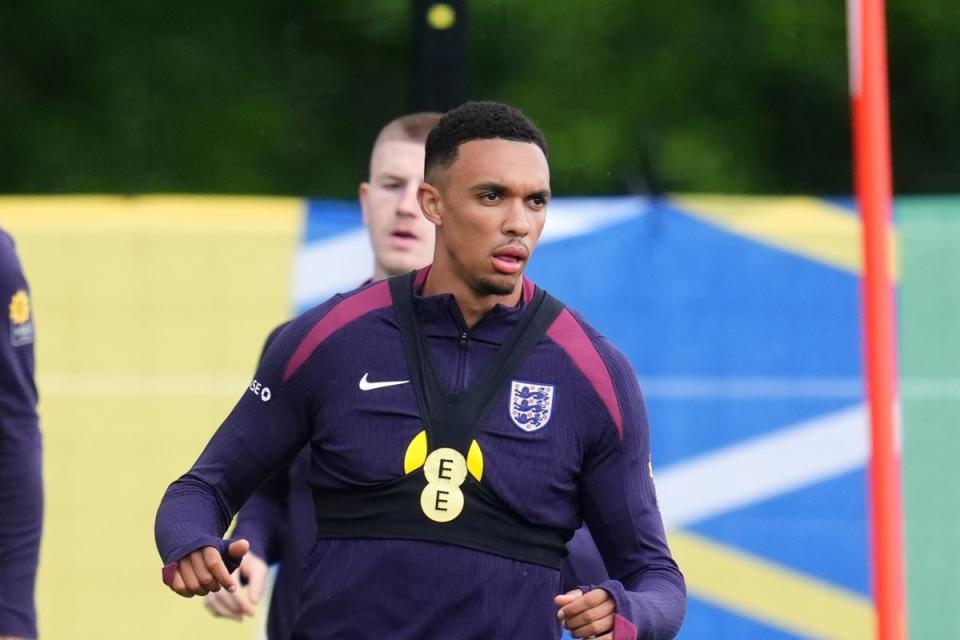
point(278, 521)
point(587, 460)
point(21, 486)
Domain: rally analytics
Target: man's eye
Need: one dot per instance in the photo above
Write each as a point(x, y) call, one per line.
point(490, 197)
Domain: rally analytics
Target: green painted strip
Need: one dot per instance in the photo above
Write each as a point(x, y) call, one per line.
point(930, 357)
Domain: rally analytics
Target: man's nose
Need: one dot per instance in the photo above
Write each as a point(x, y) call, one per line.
point(516, 222)
point(408, 204)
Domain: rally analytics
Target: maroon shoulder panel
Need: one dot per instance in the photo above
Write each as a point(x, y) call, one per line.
point(571, 337)
point(528, 290)
point(421, 277)
point(345, 312)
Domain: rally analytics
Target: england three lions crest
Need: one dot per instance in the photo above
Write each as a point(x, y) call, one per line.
point(531, 404)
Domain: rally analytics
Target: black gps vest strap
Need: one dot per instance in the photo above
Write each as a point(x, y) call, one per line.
point(452, 419)
point(391, 509)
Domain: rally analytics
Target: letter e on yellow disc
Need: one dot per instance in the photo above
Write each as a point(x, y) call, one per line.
point(445, 470)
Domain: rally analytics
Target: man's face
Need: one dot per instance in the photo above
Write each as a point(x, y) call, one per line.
point(492, 203)
point(402, 239)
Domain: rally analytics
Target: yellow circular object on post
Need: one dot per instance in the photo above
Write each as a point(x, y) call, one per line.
point(441, 16)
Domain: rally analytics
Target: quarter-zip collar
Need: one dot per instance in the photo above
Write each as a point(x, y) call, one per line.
point(440, 316)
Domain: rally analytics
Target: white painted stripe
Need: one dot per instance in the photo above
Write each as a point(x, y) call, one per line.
point(342, 261)
point(568, 217)
point(695, 489)
point(915, 388)
point(854, 50)
point(336, 264)
point(750, 388)
point(654, 387)
point(141, 384)
point(763, 467)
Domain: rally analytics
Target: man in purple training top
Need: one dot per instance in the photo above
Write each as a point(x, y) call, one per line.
point(461, 425)
point(21, 483)
point(278, 519)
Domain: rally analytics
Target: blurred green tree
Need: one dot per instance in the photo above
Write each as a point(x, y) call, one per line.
point(285, 97)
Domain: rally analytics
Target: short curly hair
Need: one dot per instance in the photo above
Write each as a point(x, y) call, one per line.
point(477, 121)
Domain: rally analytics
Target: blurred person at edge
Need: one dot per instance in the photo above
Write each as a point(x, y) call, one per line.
point(21, 482)
point(278, 519)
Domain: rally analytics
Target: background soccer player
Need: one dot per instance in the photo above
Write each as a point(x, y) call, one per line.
point(21, 483)
point(278, 519)
point(566, 438)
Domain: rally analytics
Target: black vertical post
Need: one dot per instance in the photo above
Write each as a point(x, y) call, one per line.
point(440, 54)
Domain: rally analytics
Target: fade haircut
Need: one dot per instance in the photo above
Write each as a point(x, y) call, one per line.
point(412, 127)
point(477, 121)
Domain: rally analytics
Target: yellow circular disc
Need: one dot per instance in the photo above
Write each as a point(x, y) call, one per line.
point(445, 466)
point(20, 307)
point(441, 502)
point(416, 452)
point(441, 16)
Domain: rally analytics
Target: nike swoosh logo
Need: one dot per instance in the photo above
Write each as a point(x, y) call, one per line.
point(366, 385)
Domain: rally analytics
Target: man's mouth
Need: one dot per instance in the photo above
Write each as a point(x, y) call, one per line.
point(402, 237)
point(509, 259)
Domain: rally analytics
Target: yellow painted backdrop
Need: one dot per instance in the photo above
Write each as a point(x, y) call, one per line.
point(150, 314)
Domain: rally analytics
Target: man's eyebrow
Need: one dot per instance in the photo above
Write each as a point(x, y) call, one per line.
point(489, 187)
point(500, 188)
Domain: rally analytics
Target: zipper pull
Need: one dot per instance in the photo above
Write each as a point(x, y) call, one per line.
point(463, 339)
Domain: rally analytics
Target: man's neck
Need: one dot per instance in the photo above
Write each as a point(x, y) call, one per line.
point(379, 273)
point(473, 306)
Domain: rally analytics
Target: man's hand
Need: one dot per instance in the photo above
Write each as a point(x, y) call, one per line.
point(235, 605)
point(587, 616)
point(203, 571)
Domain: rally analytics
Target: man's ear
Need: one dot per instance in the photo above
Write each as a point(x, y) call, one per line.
point(429, 199)
point(362, 194)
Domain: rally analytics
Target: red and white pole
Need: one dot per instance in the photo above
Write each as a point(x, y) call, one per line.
point(872, 172)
